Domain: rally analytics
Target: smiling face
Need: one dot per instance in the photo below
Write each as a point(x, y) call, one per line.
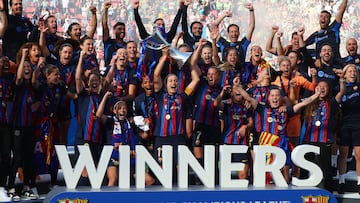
point(206, 55)
point(351, 46)
point(131, 50)
point(122, 57)
point(87, 46)
point(196, 29)
point(53, 77)
point(233, 33)
point(75, 31)
point(295, 42)
point(94, 83)
point(236, 96)
point(351, 73)
point(326, 54)
point(324, 89)
point(65, 54)
point(27, 71)
point(212, 76)
point(274, 98)
point(171, 84)
point(120, 110)
point(232, 57)
point(256, 53)
point(119, 31)
point(51, 24)
point(324, 20)
point(16, 7)
point(285, 67)
point(147, 85)
point(34, 54)
point(4, 65)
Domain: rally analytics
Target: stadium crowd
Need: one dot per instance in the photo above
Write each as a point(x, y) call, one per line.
point(184, 73)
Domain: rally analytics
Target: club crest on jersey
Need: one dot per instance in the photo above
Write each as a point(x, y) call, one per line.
point(315, 199)
point(67, 200)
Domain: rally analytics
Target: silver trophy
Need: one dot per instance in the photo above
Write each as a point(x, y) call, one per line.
point(157, 42)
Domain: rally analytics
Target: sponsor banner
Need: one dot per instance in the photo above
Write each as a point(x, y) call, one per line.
point(193, 194)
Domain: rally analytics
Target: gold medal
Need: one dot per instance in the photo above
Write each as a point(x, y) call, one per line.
point(355, 88)
point(235, 117)
point(176, 100)
point(357, 60)
point(280, 127)
point(270, 120)
point(208, 97)
point(317, 123)
point(197, 142)
point(167, 117)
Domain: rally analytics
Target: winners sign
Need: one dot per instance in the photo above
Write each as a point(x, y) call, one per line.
point(228, 190)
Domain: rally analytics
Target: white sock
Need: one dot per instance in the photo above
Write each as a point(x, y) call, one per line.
point(341, 178)
point(358, 182)
point(334, 161)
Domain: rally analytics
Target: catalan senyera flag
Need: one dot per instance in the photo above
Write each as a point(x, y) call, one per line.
point(67, 200)
point(315, 199)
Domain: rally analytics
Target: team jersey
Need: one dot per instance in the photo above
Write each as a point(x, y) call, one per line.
point(350, 102)
point(23, 99)
point(146, 106)
point(205, 112)
point(171, 117)
point(320, 127)
point(235, 116)
point(89, 127)
point(122, 133)
point(352, 60)
point(228, 76)
point(273, 121)
point(260, 94)
point(90, 62)
point(251, 72)
point(241, 47)
point(5, 99)
point(110, 48)
point(123, 78)
point(329, 36)
point(326, 73)
point(15, 35)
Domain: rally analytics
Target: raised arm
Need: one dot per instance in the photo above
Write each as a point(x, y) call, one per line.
point(110, 75)
point(297, 107)
point(104, 21)
point(341, 92)
point(100, 111)
point(214, 33)
point(184, 23)
point(341, 11)
point(37, 71)
point(279, 48)
point(246, 96)
point(142, 31)
point(42, 41)
point(195, 79)
point(78, 74)
point(172, 32)
point(269, 43)
point(93, 22)
point(20, 69)
point(220, 18)
point(3, 19)
point(217, 102)
point(251, 22)
point(196, 55)
point(157, 72)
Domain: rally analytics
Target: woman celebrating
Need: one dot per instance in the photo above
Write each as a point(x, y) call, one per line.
point(350, 136)
point(318, 128)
